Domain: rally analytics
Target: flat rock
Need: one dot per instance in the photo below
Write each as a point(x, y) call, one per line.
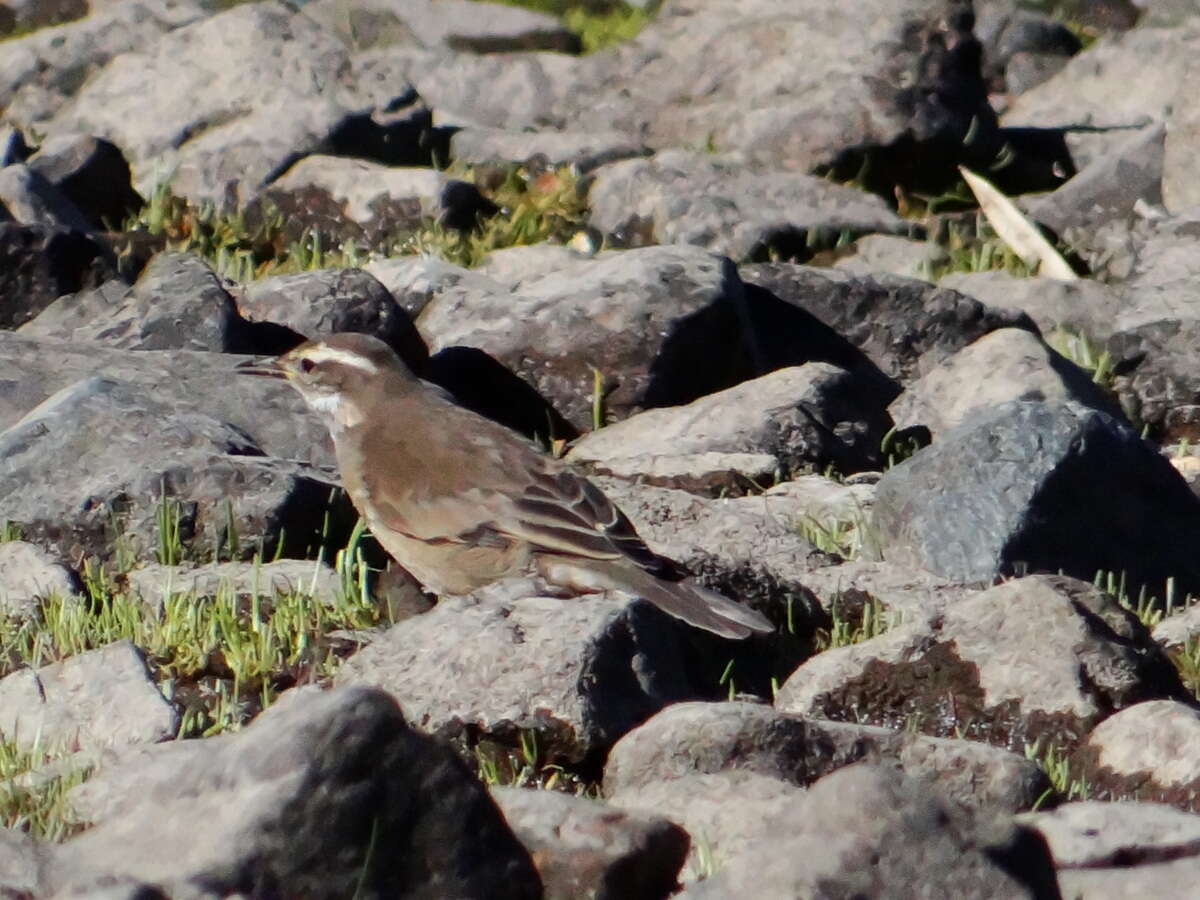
point(902, 593)
point(707, 738)
point(1082, 306)
point(1024, 486)
point(29, 574)
point(583, 848)
point(711, 474)
point(1005, 365)
point(678, 197)
point(86, 702)
point(869, 830)
point(577, 672)
point(295, 800)
point(104, 454)
point(888, 254)
point(810, 416)
point(1039, 657)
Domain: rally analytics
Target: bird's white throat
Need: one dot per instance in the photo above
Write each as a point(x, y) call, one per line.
point(340, 410)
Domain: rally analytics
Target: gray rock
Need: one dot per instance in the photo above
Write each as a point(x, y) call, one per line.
point(727, 814)
point(748, 548)
point(154, 583)
point(1006, 365)
point(294, 804)
point(1083, 306)
point(92, 173)
point(38, 264)
point(93, 700)
point(104, 454)
point(1179, 172)
point(28, 574)
point(587, 849)
point(32, 200)
point(1032, 486)
point(1178, 627)
point(901, 593)
point(644, 318)
point(836, 83)
point(21, 860)
point(679, 197)
point(583, 151)
point(383, 201)
point(870, 831)
point(1110, 850)
point(417, 280)
point(1038, 657)
point(876, 254)
point(810, 416)
point(39, 71)
point(177, 303)
point(710, 474)
point(513, 266)
point(577, 672)
point(1144, 752)
point(326, 301)
point(186, 382)
point(240, 95)
point(905, 327)
point(707, 738)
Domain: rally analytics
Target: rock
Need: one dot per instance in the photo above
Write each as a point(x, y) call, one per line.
point(513, 266)
point(1084, 306)
point(416, 280)
point(679, 197)
point(383, 201)
point(326, 301)
point(178, 302)
point(1143, 752)
point(92, 173)
point(1033, 486)
point(32, 200)
point(727, 814)
point(884, 81)
point(577, 672)
point(89, 701)
point(1179, 173)
point(29, 574)
point(238, 97)
point(40, 70)
point(1009, 364)
point(901, 593)
point(810, 416)
point(1127, 849)
point(38, 264)
point(707, 738)
point(1178, 627)
point(1043, 658)
point(661, 325)
point(870, 831)
point(587, 849)
point(301, 802)
point(876, 254)
point(583, 151)
point(21, 861)
point(104, 454)
point(905, 327)
point(1010, 35)
point(154, 583)
point(710, 474)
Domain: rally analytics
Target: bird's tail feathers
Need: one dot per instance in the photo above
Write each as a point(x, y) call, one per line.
point(684, 599)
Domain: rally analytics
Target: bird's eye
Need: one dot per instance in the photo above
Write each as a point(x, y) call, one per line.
point(307, 365)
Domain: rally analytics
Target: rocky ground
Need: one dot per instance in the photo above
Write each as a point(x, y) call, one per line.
point(720, 255)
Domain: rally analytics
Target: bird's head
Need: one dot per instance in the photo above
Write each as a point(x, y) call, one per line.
point(337, 375)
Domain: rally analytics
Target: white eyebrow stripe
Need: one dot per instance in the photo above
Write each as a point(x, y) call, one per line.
point(332, 354)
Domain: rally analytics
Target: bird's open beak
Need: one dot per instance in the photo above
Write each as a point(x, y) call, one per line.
point(267, 368)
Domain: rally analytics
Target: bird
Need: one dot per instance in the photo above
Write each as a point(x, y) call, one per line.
point(461, 501)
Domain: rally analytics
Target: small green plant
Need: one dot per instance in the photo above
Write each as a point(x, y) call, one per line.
point(1055, 763)
point(1085, 353)
point(168, 520)
point(33, 790)
point(976, 249)
point(847, 629)
point(1149, 609)
point(525, 767)
point(844, 537)
point(534, 208)
point(598, 25)
point(9, 531)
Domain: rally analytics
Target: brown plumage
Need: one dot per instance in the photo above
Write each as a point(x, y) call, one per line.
point(460, 501)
